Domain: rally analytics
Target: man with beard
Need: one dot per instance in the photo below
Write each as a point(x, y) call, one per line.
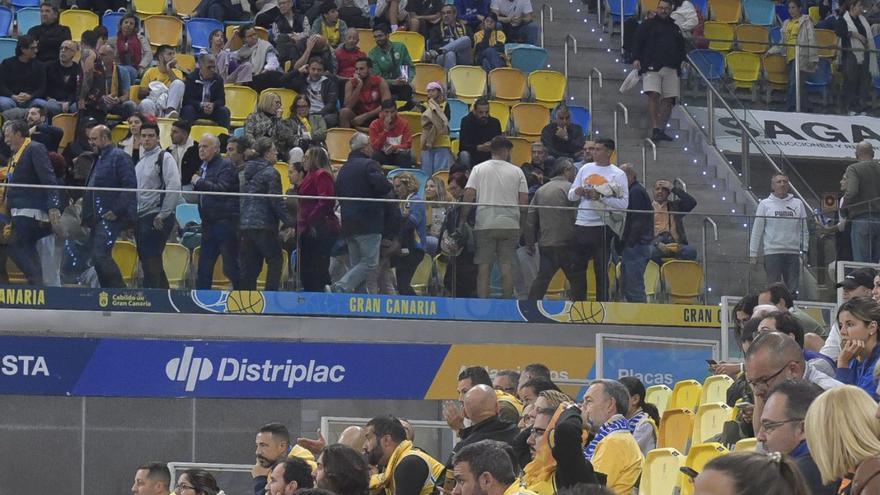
point(403, 469)
point(477, 130)
point(151, 479)
point(273, 447)
point(485, 468)
point(288, 476)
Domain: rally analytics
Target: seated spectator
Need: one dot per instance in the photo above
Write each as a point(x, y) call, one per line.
point(472, 12)
point(643, 417)
point(42, 132)
point(394, 13)
point(344, 470)
point(516, 18)
point(392, 62)
point(131, 144)
point(204, 96)
point(347, 55)
point(22, 77)
point(858, 283)
point(435, 213)
point(321, 91)
point(228, 68)
point(164, 98)
point(859, 321)
point(784, 322)
point(435, 131)
point(117, 98)
point(261, 55)
point(450, 41)
point(477, 130)
point(412, 232)
point(225, 10)
point(260, 217)
point(154, 477)
point(778, 295)
point(363, 96)
point(355, 13)
point(588, 154)
point(185, 152)
point(311, 128)
point(201, 481)
point(290, 476)
point(391, 138)
point(329, 25)
point(49, 34)
point(266, 121)
point(670, 240)
point(398, 461)
point(541, 160)
point(557, 451)
point(457, 243)
point(283, 18)
point(750, 472)
point(489, 43)
point(63, 77)
point(483, 468)
point(132, 48)
point(562, 137)
point(315, 46)
point(426, 12)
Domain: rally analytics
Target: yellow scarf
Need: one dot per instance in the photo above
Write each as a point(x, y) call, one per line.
point(11, 167)
point(305, 122)
point(543, 466)
point(331, 33)
point(384, 481)
point(505, 397)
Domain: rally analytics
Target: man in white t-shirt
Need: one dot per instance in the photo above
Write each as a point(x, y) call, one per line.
point(600, 187)
point(517, 19)
point(496, 181)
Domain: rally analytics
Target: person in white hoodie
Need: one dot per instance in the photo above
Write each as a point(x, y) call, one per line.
point(780, 230)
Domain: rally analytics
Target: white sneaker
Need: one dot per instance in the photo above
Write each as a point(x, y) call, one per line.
point(172, 114)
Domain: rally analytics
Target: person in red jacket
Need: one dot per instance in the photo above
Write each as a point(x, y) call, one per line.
point(391, 138)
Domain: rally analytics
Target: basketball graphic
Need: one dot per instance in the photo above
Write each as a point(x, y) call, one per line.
point(587, 312)
point(245, 302)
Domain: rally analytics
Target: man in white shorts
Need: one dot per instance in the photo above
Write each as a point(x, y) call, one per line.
point(658, 53)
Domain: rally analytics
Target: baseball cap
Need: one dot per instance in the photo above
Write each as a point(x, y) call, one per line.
point(860, 277)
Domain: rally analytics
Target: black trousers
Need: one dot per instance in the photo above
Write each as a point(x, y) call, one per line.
point(593, 243)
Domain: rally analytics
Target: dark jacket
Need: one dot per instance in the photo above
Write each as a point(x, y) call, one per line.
point(361, 177)
point(113, 168)
point(219, 176)
point(567, 448)
point(17, 77)
point(658, 43)
point(488, 429)
point(49, 37)
point(258, 212)
point(862, 188)
point(329, 92)
point(62, 83)
point(807, 466)
point(866, 480)
point(49, 135)
point(190, 163)
point(474, 133)
point(563, 148)
point(192, 94)
point(33, 168)
point(684, 204)
point(639, 228)
point(442, 34)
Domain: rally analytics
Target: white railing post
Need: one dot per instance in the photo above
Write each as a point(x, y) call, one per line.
point(590, 94)
point(574, 44)
point(544, 7)
point(625, 121)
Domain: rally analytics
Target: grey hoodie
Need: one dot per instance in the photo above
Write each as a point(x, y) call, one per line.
point(780, 226)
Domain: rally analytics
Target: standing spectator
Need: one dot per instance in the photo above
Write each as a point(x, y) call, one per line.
point(670, 240)
point(489, 43)
point(347, 55)
point(260, 217)
point(435, 213)
point(204, 96)
point(266, 121)
point(554, 229)
point(321, 91)
point(861, 201)
point(391, 138)
point(859, 321)
point(858, 56)
point(412, 232)
point(310, 128)
point(393, 63)
point(395, 14)
point(473, 12)
point(317, 225)
point(220, 214)
point(798, 30)
point(329, 25)
point(185, 152)
point(362, 221)
point(780, 230)
point(132, 48)
point(435, 131)
point(600, 187)
point(450, 41)
point(49, 34)
point(31, 209)
point(22, 77)
point(478, 129)
point(261, 55)
point(164, 100)
point(41, 131)
point(456, 242)
point(116, 97)
point(108, 213)
point(496, 181)
point(63, 77)
point(563, 138)
point(516, 18)
point(155, 170)
point(229, 69)
point(363, 96)
point(237, 147)
point(638, 232)
point(658, 52)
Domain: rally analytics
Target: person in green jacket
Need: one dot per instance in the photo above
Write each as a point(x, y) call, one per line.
point(392, 62)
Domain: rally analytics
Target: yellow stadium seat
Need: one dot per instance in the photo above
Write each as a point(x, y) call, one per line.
point(775, 74)
point(683, 281)
point(507, 84)
point(119, 132)
point(697, 458)
point(455, 147)
point(164, 30)
point(815, 14)
point(745, 70)
point(715, 389)
point(426, 73)
point(746, 445)
point(414, 119)
point(751, 38)
point(164, 131)
point(686, 395)
point(219, 280)
point(79, 21)
point(646, 6)
point(367, 42)
point(709, 421)
point(287, 96)
point(197, 131)
point(501, 112)
point(652, 280)
point(529, 119)
point(15, 274)
point(185, 7)
point(264, 272)
point(67, 123)
point(556, 289)
point(241, 101)
point(547, 87)
point(236, 42)
point(826, 39)
point(521, 152)
point(133, 93)
point(675, 429)
point(149, 7)
point(440, 263)
point(422, 275)
point(722, 34)
point(126, 258)
point(337, 143)
point(467, 82)
point(727, 11)
point(185, 62)
point(175, 260)
point(414, 42)
point(416, 149)
point(283, 168)
point(660, 472)
point(659, 396)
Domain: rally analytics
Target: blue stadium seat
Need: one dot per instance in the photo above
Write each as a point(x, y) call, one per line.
point(7, 48)
point(760, 12)
point(27, 18)
point(110, 20)
point(630, 8)
point(580, 116)
point(420, 176)
point(18, 4)
point(782, 12)
point(5, 21)
point(702, 6)
point(187, 213)
point(239, 132)
point(818, 81)
point(775, 35)
point(528, 58)
point(457, 110)
point(198, 30)
point(710, 63)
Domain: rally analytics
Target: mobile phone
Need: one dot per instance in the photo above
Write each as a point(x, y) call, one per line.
point(711, 362)
point(689, 472)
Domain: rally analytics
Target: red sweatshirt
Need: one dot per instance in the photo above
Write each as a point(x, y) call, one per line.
point(317, 212)
point(379, 137)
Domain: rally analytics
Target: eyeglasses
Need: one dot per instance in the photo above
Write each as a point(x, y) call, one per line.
point(538, 432)
point(180, 487)
point(769, 426)
point(762, 382)
point(509, 390)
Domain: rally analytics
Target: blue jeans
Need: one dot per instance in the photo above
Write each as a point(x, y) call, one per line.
point(634, 259)
point(866, 238)
point(685, 252)
point(456, 52)
point(785, 267)
point(192, 113)
point(363, 255)
point(218, 238)
point(150, 246)
point(436, 159)
point(101, 240)
point(23, 248)
point(52, 107)
point(7, 103)
point(490, 59)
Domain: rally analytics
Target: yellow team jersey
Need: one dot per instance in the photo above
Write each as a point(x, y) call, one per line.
point(153, 74)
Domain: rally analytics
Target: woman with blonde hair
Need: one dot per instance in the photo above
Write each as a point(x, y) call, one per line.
point(844, 437)
point(317, 225)
point(266, 121)
point(859, 322)
point(435, 190)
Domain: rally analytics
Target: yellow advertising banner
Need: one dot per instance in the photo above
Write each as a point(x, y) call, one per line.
point(673, 315)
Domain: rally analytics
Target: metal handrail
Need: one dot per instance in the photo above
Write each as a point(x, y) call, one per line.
point(645, 142)
point(622, 18)
point(625, 121)
point(574, 43)
point(599, 14)
point(543, 8)
point(707, 221)
point(590, 94)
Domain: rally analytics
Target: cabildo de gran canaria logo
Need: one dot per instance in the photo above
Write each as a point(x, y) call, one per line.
point(191, 370)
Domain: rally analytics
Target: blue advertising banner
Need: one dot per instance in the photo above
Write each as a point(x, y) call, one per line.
point(654, 362)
